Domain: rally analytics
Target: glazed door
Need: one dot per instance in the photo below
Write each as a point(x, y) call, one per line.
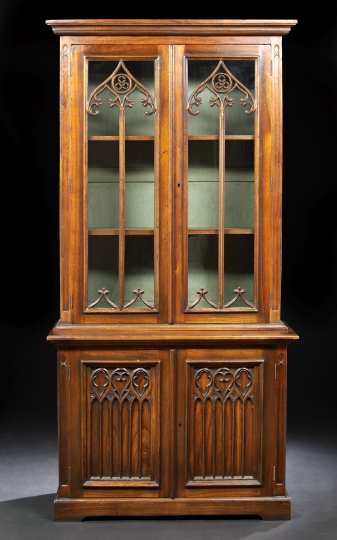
point(223, 183)
point(227, 423)
point(119, 423)
point(120, 183)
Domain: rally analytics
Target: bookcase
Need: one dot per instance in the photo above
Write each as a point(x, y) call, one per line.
point(171, 352)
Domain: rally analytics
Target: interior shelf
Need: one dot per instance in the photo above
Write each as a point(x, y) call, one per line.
point(116, 138)
point(115, 231)
point(231, 230)
point(190, 138)
point(216, 137)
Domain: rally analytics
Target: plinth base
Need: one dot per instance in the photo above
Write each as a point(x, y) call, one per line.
point(268, 508)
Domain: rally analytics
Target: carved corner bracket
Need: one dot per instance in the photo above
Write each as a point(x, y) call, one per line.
point(121, 84)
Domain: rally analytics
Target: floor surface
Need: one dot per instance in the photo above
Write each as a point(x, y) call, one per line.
point(28, 480)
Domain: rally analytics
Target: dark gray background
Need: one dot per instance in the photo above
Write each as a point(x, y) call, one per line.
point(29, 100)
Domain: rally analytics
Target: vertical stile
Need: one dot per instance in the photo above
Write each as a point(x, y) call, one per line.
point(121, 205)
point(221, 238)
point(156, 187)
point(140, 440)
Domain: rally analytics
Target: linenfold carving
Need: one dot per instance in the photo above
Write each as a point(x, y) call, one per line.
point(121, 84)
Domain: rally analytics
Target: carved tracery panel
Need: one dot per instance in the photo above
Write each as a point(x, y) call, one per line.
point(224, 437)
point(122, 438)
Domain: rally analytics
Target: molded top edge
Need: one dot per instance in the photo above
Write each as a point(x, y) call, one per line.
point(172, 26)
point(227, 22)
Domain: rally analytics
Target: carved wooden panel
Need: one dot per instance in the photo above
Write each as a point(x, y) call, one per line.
point(224, 423)
point(122, 424)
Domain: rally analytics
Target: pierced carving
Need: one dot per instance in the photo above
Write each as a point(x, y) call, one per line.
point(221, 83)
point(103, 292)
point(121, 84)
point(138, 292)
point(202, 292)
point(238, 293)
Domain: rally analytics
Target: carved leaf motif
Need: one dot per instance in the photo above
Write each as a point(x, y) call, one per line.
point(120, 382)
point(140, 382)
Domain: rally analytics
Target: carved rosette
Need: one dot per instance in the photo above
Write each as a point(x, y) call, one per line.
point(121, 84)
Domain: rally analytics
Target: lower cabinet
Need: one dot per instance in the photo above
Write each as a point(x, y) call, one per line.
point(156, 432)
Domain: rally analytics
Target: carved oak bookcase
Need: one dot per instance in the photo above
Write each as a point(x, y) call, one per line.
point(171, 353)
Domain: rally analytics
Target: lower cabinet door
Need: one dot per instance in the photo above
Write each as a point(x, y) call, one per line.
point(226, 422)
point(118, 423)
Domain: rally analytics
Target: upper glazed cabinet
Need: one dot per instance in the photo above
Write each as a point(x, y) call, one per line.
point(171, 181)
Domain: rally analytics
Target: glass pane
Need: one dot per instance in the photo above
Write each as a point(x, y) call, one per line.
point(203, 268)
point(139, 269)
point(102, 269)
point(239, 268)
point(103, 184)
point(239, 184)
point(139, 184)
point(203, 184)
point(237, 121)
